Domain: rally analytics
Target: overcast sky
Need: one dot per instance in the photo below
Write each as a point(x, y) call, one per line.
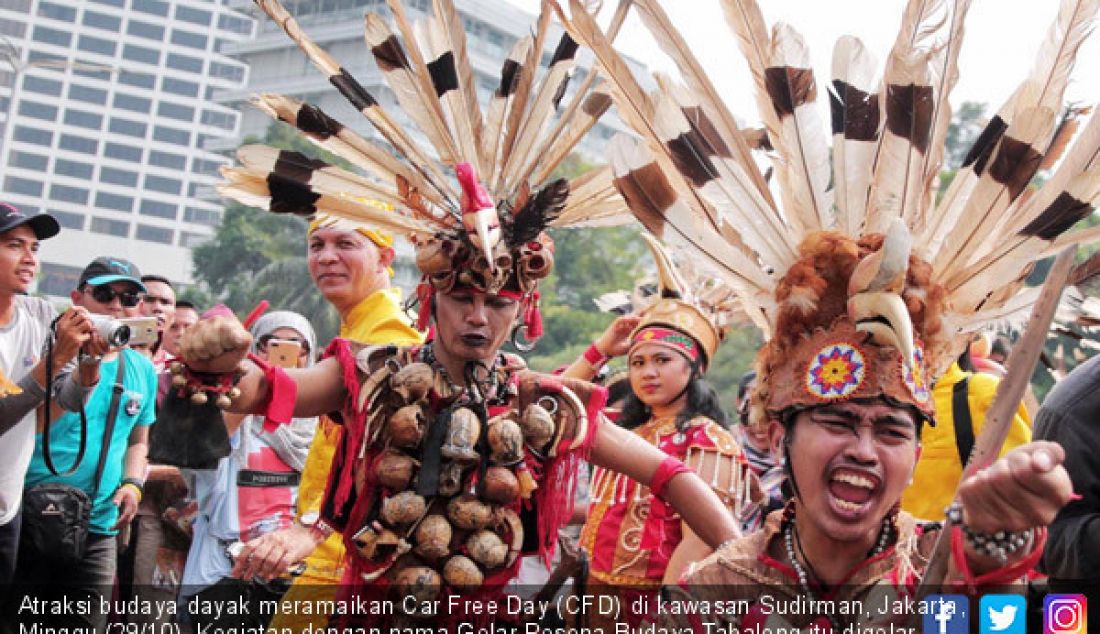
point(1002, 39)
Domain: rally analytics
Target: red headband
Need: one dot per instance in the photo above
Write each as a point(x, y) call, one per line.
point(532, 318)
point(669, 338)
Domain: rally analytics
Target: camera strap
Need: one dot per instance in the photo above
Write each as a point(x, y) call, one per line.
point(113, 410)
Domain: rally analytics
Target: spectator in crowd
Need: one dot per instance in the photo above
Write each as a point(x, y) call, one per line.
point(25, 324)
point(150, 565)
point(159, 301)
point(185, 316)
point(962, 397)
point(761, 456)
point(107, 286)
point(350, 264)
point(1068, 417)
point(252, 492)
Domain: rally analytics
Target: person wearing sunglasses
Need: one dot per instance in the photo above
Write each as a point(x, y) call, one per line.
point(107, 286)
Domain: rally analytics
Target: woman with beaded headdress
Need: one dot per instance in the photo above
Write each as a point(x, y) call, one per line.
point(866, 287)
point(454, 458)
point(632, 539)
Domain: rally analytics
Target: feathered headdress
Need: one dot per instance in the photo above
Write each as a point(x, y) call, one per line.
point(685, 303)
point(863, 283)
point(486, 233)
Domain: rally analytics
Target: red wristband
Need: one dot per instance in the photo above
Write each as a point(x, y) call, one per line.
point(594, 357)
point(670, 468)
point(282, 392)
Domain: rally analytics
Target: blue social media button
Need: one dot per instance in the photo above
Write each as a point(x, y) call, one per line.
point(946, 614)
point(1003, 614)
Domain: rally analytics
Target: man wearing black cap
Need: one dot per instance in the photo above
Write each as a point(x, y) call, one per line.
point(24, 326)
point(108, 286)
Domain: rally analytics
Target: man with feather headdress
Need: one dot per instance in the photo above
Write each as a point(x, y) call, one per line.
point(865, 290)
point(454, 458)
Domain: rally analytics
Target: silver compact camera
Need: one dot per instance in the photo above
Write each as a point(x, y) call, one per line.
point(113, 331)
point(134, 331)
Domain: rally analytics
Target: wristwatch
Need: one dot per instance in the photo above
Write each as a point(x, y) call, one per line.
point(317, 526)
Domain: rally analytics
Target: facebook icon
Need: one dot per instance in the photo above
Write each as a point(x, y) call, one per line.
point(946, 614)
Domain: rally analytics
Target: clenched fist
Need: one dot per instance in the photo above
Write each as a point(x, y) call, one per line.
point(1023, 489)
point(215, 345)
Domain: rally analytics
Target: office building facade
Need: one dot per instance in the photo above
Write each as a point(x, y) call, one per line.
point(107, 111)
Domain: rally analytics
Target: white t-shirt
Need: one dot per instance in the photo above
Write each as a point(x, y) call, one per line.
point(20, 349)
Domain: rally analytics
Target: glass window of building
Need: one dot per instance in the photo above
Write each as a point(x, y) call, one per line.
point(107, 200)
point(152, 7)
point(47, 35)
point(167, 159)
point(102, 20)
point(190, 240)
point(30, 161)
point(56, 11)
point(116, 176)
point(83, 119)
point(113, 3)
point(96, 45)
point(119, 228)
point(158, 209)
point(171, 135)
point(145, 30)
point(154, 234)
point(235, 24)
point(22, 6)
point(141, 54)
point(74, 169)
point(185, 63)
point(123, 152)
point(131, 102)
point(68, 194)
point(32, 135)
point(69, 220)
point(12, 28)
point(41, 85)
point(208, 217)
point(57, 279)
point(180, 87)
point(87, 94)
point(127, 127)
point(79, 144)
point(176, 111)
point(162, 184)
point(188, 39)
point(37, 110)
point(194, 16)
point(25, 186)
point(39, 57)
point(138, 80)
point(202, 166)
point(227, 71)
point(223, 120)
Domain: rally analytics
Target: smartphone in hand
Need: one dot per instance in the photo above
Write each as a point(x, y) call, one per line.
point(284, 353)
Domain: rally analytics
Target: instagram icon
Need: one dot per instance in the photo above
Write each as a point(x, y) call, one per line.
point(1065, 614)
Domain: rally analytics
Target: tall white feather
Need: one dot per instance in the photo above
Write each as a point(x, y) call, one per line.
point(853, 152)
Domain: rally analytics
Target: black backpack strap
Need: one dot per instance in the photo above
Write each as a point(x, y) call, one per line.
point(112, 413)
point(964, 424)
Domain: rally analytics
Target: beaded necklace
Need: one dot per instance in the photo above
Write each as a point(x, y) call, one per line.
point(886, 532)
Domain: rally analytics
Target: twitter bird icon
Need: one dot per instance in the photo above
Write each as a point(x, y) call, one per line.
point(1003, 614)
